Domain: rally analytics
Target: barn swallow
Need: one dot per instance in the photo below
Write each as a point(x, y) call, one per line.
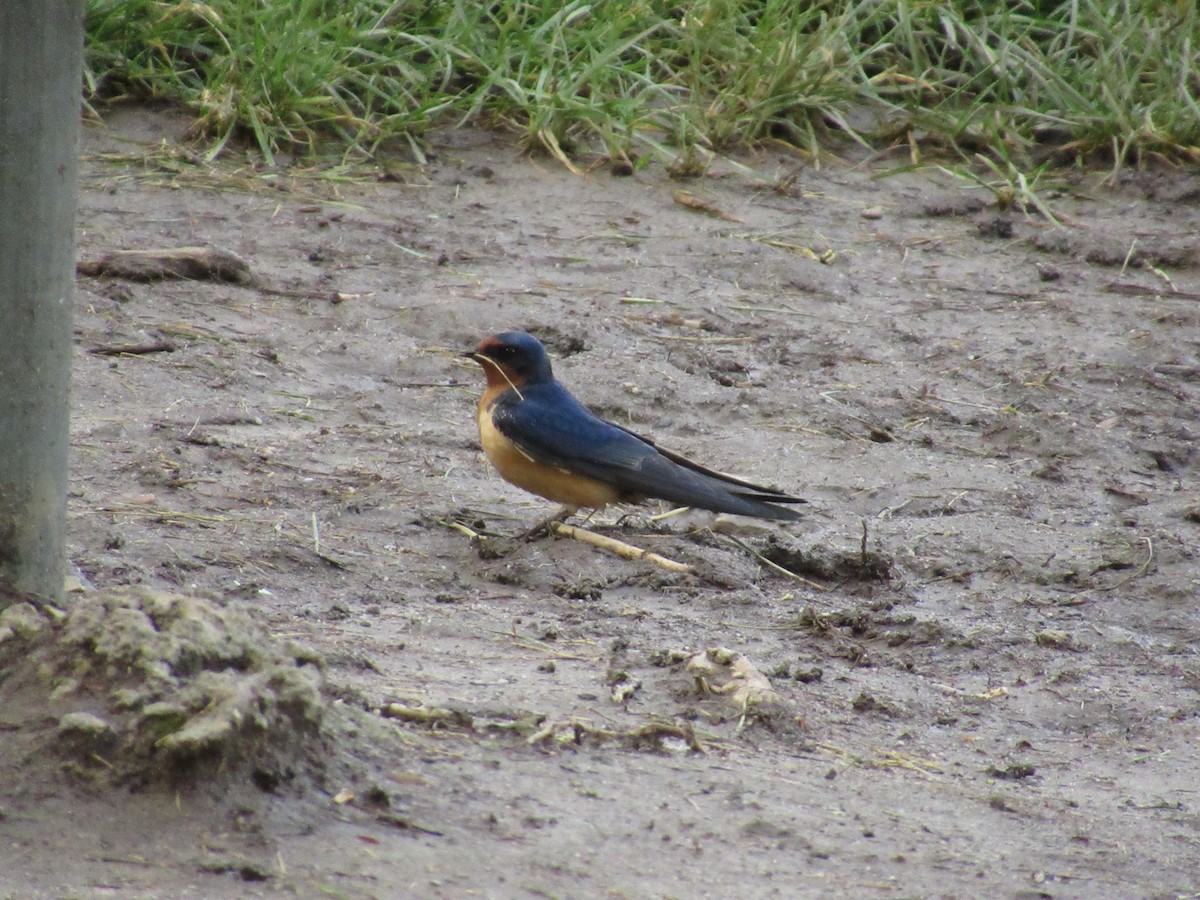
point(540, 438)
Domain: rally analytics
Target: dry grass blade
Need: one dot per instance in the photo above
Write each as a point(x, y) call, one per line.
point(688, 200)
point(648, 736)
point(882, 759)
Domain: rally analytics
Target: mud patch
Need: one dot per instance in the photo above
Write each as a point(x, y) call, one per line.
point(135, 686)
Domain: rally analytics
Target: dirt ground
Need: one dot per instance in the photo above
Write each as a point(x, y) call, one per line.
point(987, 669)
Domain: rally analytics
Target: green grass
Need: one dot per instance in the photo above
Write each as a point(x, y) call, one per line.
point(646, 80)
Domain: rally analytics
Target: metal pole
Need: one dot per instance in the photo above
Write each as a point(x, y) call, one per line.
point(41, 58)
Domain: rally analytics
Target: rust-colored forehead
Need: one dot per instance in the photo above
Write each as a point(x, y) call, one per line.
point(490, 343)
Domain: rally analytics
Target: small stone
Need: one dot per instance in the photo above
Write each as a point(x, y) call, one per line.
point(872, 212)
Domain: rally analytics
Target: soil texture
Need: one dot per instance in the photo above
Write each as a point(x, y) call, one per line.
point(970, 670)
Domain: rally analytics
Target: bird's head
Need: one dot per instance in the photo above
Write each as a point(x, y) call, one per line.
point(513, 359)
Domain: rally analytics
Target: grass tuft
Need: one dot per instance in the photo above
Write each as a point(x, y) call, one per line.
point(643, 80)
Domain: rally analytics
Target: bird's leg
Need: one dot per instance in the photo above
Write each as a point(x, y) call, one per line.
point(642, 516)
point(543, 527)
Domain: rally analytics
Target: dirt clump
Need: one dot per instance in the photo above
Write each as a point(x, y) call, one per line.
point(134, 685)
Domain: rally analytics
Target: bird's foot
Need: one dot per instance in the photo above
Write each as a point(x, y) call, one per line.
point(543, 528)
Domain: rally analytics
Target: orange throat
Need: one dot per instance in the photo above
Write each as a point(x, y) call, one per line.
point(518, 467)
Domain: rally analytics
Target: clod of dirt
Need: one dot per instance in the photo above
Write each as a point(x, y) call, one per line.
point(1012, 772)
point(21, 620)
point(727, 673)
point(823, 563)
point(1173, 458)
point(494, 547)
point(866, 702)
point(191, 263)
point(87, 732)
point(136, 685)
point(997, 227)
point(1190, 513)
point(579, 589)
point(1055, 640)
point(1114, 251)
point(561, 344)
point(951, 205)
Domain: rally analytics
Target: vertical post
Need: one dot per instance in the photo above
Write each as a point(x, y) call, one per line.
point(41, 60)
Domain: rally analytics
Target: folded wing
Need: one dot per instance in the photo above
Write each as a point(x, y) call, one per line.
point(551, 426)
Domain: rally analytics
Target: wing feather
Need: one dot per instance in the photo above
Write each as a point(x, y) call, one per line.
point(549, 425)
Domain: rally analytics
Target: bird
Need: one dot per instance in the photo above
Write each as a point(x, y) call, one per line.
point(542, 439)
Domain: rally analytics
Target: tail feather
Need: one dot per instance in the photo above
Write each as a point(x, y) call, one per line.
point(698, 487)
point(753, 493)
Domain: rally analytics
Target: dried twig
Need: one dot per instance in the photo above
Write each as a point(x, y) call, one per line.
point(133, 349)
point(1137, 290)
point(428, 715)
point(620, 548)
point(651, 733)
point(689, 200)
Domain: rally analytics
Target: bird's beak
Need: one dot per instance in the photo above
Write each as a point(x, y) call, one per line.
point(471, 355)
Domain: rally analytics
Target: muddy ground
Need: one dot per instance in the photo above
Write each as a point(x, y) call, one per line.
point(987, 670)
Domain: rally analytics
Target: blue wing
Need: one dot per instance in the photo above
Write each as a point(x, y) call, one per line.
point(551, 426)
